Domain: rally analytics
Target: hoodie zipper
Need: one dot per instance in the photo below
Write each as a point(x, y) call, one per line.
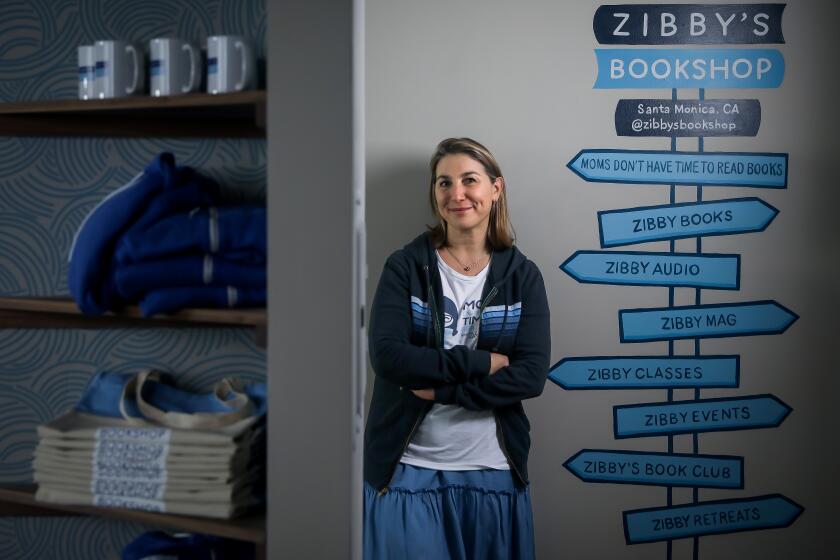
point(504, 447)
point(501, 331)
point(433, 309)
point(420, 417)
point(429, 303)
point(490, 295)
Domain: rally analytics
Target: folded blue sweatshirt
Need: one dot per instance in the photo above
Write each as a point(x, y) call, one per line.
point(91, 254)
point(234, 230)
point(135, 279)
point(167, 203)
point(169, 300)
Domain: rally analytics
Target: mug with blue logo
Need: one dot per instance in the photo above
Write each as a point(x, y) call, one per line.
point(86, 71)
point(174, 66)
point(119, 69)
point(231, 64)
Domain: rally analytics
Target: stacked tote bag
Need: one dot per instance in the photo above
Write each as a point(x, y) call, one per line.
point(138, 441)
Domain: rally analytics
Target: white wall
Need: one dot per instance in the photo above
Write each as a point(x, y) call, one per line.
point(518, 77)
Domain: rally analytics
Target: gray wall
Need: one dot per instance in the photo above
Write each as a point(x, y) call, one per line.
point(315, 238)
point(518, 77)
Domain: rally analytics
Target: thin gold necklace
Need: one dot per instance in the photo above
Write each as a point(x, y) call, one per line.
point(465, 267)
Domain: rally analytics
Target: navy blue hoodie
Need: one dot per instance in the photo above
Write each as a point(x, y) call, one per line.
point(406, 351)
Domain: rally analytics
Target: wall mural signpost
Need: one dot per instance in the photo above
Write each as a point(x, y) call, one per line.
point(710, 169)
point(685, 270)
point(687, 117)
point(709, 518)
point(679, 221)
point(672, 68)
point(692, 68)
point(659, 469)
point(703, 321)
point(685, 24)
point(704, 415)
point(647, 372)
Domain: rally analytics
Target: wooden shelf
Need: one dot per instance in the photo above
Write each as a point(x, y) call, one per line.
point(194, 115)
point(26, 312)
point(20, 500)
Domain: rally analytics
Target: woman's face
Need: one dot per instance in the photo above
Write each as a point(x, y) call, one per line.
point(465, 193)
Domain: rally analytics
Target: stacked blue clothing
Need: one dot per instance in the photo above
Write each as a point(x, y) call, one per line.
point(162, 241)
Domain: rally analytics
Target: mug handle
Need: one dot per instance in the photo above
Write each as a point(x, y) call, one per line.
point(136, 81)
point(246, 69)
point(193, 67)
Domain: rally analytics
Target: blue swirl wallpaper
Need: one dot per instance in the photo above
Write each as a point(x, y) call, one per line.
point(47, 186)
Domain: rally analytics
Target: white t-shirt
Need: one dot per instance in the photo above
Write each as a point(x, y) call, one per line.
point(452, 438)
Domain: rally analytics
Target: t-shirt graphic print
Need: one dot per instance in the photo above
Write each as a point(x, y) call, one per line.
point(452, 438)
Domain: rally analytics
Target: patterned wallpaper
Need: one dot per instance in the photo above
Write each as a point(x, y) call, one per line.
point(47, 186)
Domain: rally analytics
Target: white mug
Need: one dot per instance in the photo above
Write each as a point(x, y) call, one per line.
point(174, 66)
point(119, 69)
point(231, 64)
point(86, 71)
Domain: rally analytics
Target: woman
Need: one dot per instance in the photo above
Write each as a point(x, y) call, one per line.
point(459, 336)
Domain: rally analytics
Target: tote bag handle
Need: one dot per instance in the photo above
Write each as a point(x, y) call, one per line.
point(227, 391)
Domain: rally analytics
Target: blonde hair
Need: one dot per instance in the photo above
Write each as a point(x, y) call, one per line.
point(500, 233)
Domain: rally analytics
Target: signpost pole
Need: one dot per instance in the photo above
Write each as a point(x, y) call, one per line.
point(672, 243)
point(697, 301)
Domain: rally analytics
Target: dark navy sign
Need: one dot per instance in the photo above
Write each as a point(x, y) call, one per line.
point(682, 24)
point(689, 68)
point(646, 372)
point(705, 415)
point(688, 270)
point(704, 321)
point(687, 117)
point(738, 169)
point(658, 469)
point(677, 221)
point(709, 518)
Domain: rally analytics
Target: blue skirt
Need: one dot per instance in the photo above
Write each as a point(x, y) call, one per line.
point(441, 515)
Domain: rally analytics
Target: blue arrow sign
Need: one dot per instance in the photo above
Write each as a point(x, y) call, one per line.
point(646, 372)
point(704, 415)
point(678, 221)
point(655, 269)
point(649, 167)
point(689, 68)
point(658, 469)
point(704, 321)
point(709, 518)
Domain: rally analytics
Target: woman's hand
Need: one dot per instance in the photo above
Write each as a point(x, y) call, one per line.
point(425, 394)
point(497, 362)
